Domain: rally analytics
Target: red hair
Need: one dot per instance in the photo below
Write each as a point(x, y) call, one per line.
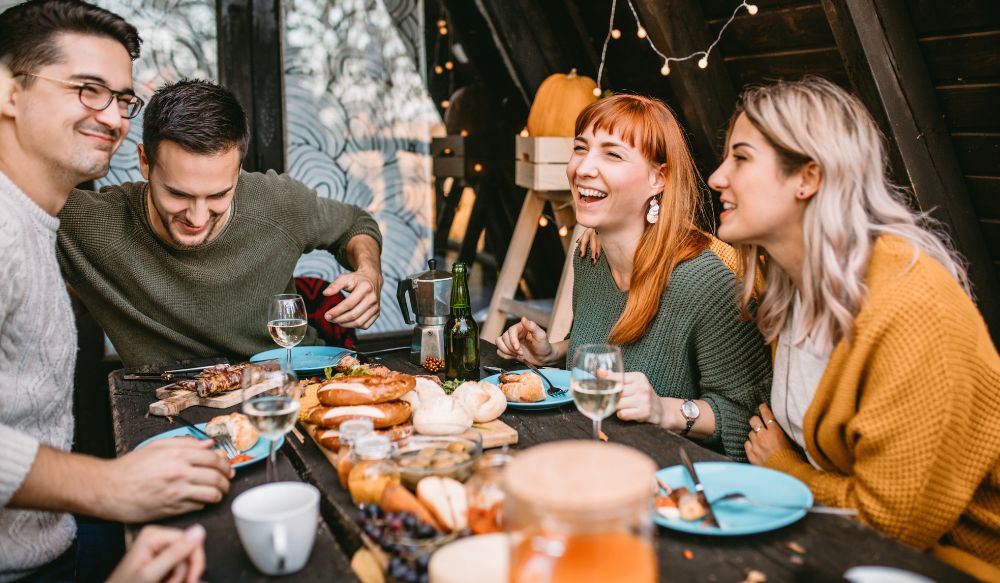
point(648, 125)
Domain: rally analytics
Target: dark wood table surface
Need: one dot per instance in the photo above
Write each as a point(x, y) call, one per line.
point(226, 559)
point(832, 544)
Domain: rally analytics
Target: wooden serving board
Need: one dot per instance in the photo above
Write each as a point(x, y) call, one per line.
point(173, 401)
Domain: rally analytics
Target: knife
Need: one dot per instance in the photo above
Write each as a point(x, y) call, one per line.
point(699, 490)
point(168, 375)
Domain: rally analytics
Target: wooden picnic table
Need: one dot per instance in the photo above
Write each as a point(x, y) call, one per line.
point(831, 544)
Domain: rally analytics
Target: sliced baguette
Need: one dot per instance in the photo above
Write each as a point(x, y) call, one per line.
point(446, 500)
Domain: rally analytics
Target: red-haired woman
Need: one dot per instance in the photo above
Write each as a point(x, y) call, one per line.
point(661, 288)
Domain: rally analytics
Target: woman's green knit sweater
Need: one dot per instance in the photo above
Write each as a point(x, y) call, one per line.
point(696, 346)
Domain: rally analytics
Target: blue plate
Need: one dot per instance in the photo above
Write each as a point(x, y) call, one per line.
point(559, 377)
point(306, 359)
point(258, 452)
point(738, 518)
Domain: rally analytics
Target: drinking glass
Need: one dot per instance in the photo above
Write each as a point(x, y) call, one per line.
point(271, 402)
point(286, 321)
point(596, 381)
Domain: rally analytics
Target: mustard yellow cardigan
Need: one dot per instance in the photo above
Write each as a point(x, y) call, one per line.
point(906, 419)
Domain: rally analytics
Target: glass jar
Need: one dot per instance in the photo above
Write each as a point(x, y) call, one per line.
point(350, 431)
point(485, 493)
point(373, 470)
point(580, 512)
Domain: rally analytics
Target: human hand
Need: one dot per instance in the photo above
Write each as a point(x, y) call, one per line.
point(525, 341)
point(589, 236)
point(639, 401)
point(165, 478)
point(361, 308)
point(163, 554)
point(765, 438)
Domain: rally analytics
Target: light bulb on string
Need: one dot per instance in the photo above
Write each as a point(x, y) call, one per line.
point(442, 23)
point(616, 34)
point(752, 9)
point(445, 103)
point(640, 32)
point(703, 63)
point(438, 69)
point(443, 30)
point(665, 69)
point(524, 133)
point(449, 65)
point(597, 91)
point(563, 231)
point(543, 222)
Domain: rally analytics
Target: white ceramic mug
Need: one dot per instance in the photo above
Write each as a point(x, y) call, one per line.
point(277, 525)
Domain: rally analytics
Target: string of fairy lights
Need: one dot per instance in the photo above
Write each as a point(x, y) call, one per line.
point(640, 31)
point(614, 33)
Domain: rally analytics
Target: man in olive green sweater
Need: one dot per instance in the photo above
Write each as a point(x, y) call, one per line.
point(185, 264)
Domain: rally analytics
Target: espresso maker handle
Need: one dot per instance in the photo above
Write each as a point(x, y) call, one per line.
point(404, 285)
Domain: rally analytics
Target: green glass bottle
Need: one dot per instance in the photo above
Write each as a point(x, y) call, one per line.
point(461, 333)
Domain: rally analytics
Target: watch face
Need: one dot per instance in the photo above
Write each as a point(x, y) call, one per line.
point(690, 409)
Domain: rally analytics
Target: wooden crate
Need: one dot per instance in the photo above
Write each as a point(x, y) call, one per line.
point(543, 150)
point(540, 163)
point(458, 156)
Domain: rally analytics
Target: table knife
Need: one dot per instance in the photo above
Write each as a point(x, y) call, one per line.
point(699, 490)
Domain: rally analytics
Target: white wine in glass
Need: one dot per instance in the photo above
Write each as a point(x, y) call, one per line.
point(286, 322)
point(596, 381)
point(271, 402)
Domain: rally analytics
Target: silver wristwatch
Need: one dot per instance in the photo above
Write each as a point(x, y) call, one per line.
point(690, 411)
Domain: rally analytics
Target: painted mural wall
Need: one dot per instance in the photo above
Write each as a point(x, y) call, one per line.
point(359, 119)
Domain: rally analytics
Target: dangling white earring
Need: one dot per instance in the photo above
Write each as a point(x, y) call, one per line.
point(653, 214)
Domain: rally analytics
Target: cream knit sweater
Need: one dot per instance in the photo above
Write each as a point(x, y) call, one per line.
point(37, 354)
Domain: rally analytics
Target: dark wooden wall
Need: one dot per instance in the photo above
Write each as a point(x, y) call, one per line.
point(929, 70)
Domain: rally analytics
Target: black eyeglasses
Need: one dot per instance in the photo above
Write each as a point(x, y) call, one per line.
point(98, 97)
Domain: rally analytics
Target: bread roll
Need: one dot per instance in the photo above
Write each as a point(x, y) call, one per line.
point(485, 401)
point(382, 414)
point(423, 390)
point(330, 438)
point(365, 390)
point(522, 388)
point(446, 499)
point(237, 426)
point(396, 498)
point(442, 415)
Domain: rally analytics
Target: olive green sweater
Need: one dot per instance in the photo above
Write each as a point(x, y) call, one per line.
point(696, 346)
point(160, 304)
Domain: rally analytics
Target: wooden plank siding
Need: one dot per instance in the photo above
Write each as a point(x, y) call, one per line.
point(960, 42)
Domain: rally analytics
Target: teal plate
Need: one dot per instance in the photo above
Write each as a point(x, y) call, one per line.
point(559, 377)
point(306, 359)
point(736, 518)
point(258, 452)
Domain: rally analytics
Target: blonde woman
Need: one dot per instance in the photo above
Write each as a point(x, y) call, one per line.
point(885, 394)
point(660, 289)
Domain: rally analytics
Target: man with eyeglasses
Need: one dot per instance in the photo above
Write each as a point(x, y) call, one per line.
point(64, 113)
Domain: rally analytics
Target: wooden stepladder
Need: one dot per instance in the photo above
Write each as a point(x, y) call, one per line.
point(541, 168)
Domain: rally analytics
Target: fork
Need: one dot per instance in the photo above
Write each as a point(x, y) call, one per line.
point(223, 441)
point(743, 498)
point(553, 390)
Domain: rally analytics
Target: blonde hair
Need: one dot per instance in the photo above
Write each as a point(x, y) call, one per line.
point(815, 120)
point(648, 125)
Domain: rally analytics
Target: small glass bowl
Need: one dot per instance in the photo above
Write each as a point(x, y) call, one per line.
point(445, 456)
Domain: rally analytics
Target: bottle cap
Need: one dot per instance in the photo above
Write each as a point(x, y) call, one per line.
point(373, 447)
point(352, 429)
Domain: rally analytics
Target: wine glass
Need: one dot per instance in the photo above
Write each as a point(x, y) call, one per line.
point(286, 321)
point(271, 402)
point(596, 381)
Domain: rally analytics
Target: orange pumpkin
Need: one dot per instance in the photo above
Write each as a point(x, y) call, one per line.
point(558, 102)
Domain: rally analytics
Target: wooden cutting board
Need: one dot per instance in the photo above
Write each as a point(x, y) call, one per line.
point(173, 401)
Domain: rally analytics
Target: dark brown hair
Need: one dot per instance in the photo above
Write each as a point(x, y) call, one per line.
point(28, 32)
